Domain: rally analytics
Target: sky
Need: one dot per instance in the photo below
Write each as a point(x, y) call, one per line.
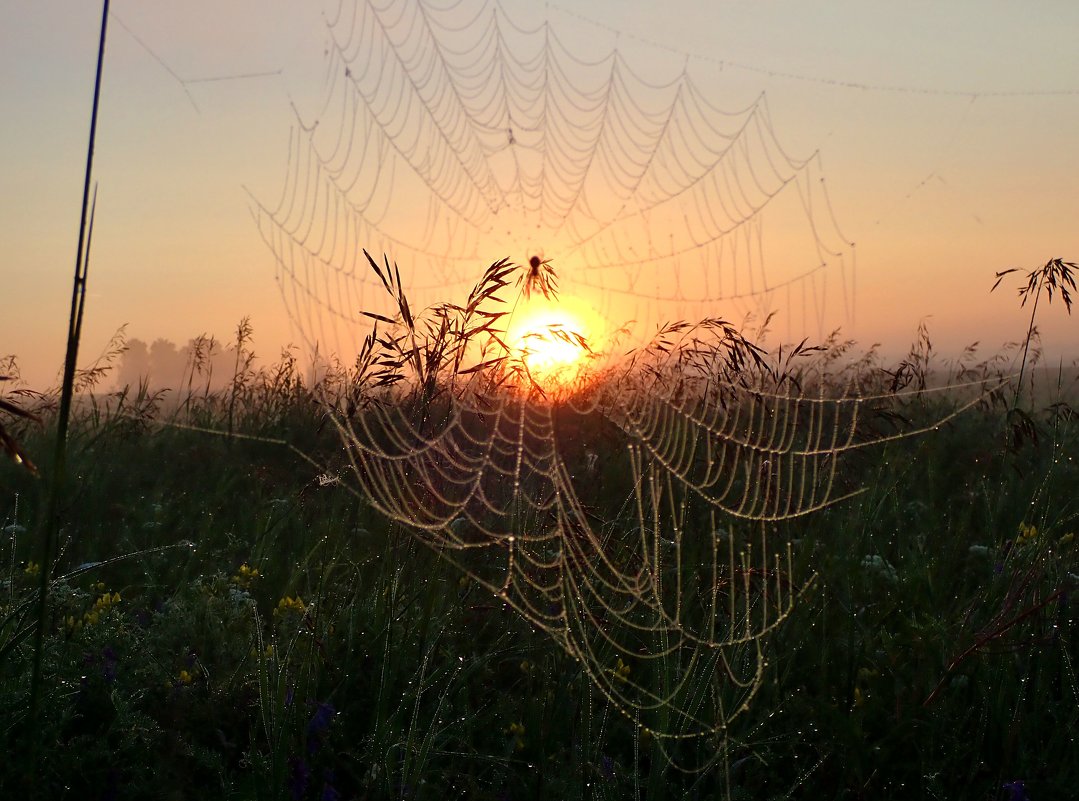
point(946, 133)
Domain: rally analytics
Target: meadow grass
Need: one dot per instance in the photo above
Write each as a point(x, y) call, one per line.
point(227, 621)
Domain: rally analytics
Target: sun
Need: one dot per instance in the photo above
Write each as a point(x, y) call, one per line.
point(553, 339)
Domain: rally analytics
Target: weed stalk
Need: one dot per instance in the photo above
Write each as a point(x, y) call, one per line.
point(1056, 276)
point(74, 331)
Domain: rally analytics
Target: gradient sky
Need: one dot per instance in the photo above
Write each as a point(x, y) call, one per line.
point(947, 133)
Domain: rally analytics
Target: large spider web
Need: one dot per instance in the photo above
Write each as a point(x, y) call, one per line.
point(630, 516)
point(449, 134)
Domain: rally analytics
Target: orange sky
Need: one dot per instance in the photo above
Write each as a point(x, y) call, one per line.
point(946, 138)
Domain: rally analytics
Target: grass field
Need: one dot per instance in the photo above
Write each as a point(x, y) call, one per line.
point(227, 620)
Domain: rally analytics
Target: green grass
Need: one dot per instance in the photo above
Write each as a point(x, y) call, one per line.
point(935, 656)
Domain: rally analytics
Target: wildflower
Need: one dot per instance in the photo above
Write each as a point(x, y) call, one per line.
point(299, 776)
point(517, 732)
point(1027, 534)
point(1017, 791)
point(109, 663)
point(881, 567)
point(606, 767)
point(1067, 539)
point(32, 568)
point(245, 575)
point(101, 608)
point(290, 604)
point(621, 670)
point(329, 792)
point(321, 719)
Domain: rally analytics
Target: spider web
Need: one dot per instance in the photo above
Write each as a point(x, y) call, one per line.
point(631, 519)
point(453, 133)
point(631, 515)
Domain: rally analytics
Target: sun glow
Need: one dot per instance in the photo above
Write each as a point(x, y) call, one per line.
point(555, 339)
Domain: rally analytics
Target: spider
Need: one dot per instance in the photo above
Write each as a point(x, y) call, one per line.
point(541, 277)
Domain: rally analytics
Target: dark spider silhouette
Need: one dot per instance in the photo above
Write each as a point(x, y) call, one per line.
point(540, 277)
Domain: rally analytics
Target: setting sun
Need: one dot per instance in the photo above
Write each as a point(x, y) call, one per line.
point(554, 338)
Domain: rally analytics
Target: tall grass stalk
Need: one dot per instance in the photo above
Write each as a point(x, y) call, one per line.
point(1056, 275)
point(74, 331)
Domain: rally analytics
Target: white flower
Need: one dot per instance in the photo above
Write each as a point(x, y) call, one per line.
point(881, 567)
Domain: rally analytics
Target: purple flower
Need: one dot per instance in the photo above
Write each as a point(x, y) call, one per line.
point(109, 663)
point(329, 792)
point(317, 726)
point(606, 767)
point(299, 774)
point(321, 720)
point(1017, 791)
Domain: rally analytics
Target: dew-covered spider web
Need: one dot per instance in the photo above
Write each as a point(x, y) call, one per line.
point(450, 134)
point(630, 513)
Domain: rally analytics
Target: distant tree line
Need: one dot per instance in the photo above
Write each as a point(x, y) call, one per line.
point(201, 365)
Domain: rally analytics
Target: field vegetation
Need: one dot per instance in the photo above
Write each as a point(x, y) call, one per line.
point(227, 618)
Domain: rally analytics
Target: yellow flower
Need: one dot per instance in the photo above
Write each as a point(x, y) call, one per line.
point(517, 732)
point(1027, 533)
point(185, 677)
point(290, 604)
point(621, 670)
point(101, 607)
point(245, 574)
point(32, 568)
point(1067, 539)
